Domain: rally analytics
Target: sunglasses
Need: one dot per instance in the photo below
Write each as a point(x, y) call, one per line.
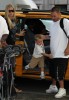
point(11, 11)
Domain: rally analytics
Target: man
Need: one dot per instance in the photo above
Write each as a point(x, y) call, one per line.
point(59, 51)
point(3, 35)
point(3, 31)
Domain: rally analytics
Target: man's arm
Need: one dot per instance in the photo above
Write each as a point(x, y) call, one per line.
point(3, 40)
point(45, 37)
point(4, 31)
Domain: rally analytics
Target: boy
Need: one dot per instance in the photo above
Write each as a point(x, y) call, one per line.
point(38, 55)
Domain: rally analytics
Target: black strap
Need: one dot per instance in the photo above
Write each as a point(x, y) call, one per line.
point(62, 26)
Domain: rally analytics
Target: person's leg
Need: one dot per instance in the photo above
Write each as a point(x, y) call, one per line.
point(52, 68)
point(33, 63)
point(61, 83)
point(42, 69)
point(62, 70)
point(41, 65)
point(42, 75)
point(62, 66)
point(52, 71)
point(53, 81)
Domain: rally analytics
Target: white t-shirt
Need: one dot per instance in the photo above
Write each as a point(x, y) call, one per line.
point(3, 27)
point(38, 50)
point(58, 39)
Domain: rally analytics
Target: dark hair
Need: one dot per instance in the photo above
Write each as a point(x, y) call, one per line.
point(55, 9)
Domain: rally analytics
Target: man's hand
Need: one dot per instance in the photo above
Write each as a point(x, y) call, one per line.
point(3, 40)
point(66, 52)
point(3, 43)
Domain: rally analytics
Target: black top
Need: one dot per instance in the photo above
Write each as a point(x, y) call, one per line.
point(11, 37)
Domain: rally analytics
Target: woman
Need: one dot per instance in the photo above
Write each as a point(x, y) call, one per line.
point(12, 26)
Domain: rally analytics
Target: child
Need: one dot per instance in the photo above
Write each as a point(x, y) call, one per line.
point(38, 55)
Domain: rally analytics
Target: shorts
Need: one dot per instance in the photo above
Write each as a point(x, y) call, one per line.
point(58, 67)
point(37, 61)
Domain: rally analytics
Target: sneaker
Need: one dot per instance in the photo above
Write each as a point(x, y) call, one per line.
point(27, 67)
point(42, 76)
point(18, 90)
point(52, 89)
point(61, 93)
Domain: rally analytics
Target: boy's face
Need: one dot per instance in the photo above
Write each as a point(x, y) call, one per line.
point(39, 41)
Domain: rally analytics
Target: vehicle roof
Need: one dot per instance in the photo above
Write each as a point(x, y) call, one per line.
point(34, 14)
